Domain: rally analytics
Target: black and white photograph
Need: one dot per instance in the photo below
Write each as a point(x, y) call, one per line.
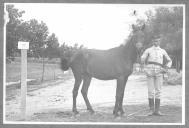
point(94, 64)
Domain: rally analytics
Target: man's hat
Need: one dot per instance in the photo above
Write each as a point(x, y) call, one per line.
point(156, 37)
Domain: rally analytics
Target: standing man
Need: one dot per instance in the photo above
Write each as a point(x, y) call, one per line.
point(153, 57)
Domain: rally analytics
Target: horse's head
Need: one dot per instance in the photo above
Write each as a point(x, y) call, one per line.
point(138, 35)
point(138, 38)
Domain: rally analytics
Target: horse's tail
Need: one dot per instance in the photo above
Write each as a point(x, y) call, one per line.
point(64, 64)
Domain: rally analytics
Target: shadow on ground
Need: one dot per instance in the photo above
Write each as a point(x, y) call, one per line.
point(173, 114)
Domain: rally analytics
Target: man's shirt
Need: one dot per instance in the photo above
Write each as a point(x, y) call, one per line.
point(155, 54)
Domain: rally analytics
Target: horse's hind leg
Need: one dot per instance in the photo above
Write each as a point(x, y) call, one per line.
point(78, 80)
point(84, 91)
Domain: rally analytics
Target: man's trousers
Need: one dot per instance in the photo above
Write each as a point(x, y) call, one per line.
point(154, 86)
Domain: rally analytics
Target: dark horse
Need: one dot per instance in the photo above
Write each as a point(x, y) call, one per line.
point(116, 63)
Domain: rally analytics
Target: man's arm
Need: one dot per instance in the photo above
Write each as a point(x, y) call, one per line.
point(169, 63)
point(144, 56)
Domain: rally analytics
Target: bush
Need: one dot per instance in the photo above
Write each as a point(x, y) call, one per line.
point(174, 78)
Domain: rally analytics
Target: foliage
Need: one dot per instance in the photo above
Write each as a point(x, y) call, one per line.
point(12, 29)
point(19, 30)
point(41, 43)
point(67, 51)
point(36, 33)
point(52, 50)
point(174, 78)
point(168, 23)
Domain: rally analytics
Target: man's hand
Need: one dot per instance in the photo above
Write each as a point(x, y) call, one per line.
point(142, 67)
point(165, 69)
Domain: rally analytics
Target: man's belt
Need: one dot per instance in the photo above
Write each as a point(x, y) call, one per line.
point(155, 63)
point(163, 70)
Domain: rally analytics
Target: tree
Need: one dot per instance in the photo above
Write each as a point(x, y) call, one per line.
point(18, 30)
point(167, 22)
point(52, 50)
point(36, 34)
point(66, 51)
point(12, 30)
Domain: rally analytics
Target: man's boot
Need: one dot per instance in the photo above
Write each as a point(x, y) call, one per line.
point(151, 105)
point(157, 107)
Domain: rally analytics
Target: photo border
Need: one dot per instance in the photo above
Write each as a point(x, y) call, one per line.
point(84, 124)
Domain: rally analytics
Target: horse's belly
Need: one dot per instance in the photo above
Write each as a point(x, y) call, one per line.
point(108, 69)
point(102, 72)
point(103, 77)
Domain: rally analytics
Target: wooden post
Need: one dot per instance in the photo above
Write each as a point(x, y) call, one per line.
point(23, 81)
point(23, 46)
point(43, 72)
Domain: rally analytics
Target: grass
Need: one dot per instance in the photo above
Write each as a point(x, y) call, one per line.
point(34, 71)
point(52, 75)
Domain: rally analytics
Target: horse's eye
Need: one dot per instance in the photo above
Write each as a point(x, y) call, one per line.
point(139, 45)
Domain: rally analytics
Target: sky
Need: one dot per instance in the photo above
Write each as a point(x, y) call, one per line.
point(99, 26)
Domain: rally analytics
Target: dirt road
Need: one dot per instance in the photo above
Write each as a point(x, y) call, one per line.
point(54, 103)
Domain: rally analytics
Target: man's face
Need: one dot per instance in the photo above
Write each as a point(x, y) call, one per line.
point(156, 42)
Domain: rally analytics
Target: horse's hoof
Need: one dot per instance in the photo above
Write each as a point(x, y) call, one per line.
point(122, 113)
point(75, 112)
point(91, 111)
point(117, 117)
point(115, 114)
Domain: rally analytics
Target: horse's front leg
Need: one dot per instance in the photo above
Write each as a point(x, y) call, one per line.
point(119, 94)
point(75, 93)
point(122, 96)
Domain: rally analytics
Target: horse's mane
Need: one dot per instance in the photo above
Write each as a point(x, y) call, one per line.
point(128, 43)
point(128, 48)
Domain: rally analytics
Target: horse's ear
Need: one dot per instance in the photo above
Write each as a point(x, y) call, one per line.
point(143, 27)
point(133, 27)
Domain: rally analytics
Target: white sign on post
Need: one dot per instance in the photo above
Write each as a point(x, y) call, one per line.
point(23, 46)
